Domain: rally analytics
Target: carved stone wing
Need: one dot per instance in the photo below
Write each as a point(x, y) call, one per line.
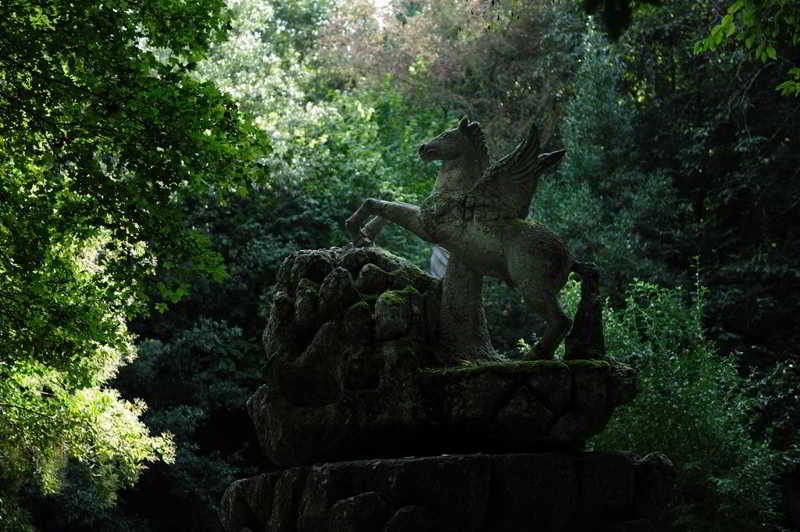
point(513, 178)
point(516, 165)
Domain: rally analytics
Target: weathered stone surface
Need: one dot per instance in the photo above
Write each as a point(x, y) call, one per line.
point(655, 477)
point(235, 511)
point(267, 499)
point(373, 280)
point(411, 519)
point(289, 487)
point(365, 512)
point(533, 488)
point(310, 265)
point(522, 415)
point(546, 492)
point(306, 305)
point(553, 387)
point(336, 294)
point(393, 313)
point(385, 407)
point(357, 374)
point(606, 486)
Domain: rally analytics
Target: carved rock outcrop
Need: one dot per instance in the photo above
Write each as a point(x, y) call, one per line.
point(462, 493)
point(372, 431)
point(354, 374)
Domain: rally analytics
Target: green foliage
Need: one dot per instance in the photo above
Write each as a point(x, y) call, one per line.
point(601, 202)
point(502, 65)
point(728, 144)
point(79, 507)
point(99, 141)
point(197, 384)
point(55, 407)
point(48, 424)
point(616, 14)
point(696, 408)
point(85, 138)
point(765, 29)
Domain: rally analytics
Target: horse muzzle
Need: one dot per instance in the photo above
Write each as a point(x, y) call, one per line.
point(427, 152)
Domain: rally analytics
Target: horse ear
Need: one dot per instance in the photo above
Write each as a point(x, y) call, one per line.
point(464, 124)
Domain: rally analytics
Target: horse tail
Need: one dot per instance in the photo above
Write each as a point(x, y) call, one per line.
point(586, 339)
point(589, 273)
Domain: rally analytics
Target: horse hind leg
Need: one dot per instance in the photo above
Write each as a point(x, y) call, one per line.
point(586, 340)
point(545, 303)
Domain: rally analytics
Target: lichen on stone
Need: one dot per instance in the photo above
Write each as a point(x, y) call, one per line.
point(399, 297)
point(366, 376)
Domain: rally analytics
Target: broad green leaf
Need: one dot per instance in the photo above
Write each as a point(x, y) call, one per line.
point(771, 53)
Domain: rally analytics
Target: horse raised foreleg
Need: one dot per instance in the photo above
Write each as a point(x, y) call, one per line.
point(373, 228)
point(403, 214)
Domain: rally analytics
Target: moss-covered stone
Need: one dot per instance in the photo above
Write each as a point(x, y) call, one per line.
point(373, 280)
point(306, 306)
point(336, 293)
point(361, 377)
point(399, 296)
point(588, 364)
point(411, 277)
point(511, 367)
point(394, 313)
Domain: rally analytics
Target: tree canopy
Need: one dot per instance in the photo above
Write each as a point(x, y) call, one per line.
point(98, 140)
point(769, 31)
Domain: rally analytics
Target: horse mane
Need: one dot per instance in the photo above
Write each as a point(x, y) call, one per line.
point(514, 177)
point(477, 138)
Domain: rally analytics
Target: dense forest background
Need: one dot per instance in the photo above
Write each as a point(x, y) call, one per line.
point(158, 160)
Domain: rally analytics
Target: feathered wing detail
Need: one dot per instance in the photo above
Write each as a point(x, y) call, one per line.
point(513, 178)
point(514, 167)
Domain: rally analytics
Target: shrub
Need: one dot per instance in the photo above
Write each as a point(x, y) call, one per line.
point(695, 406)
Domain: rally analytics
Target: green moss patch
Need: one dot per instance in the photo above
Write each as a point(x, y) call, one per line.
point(588, 364)
point(398, 297)
point(519, 367)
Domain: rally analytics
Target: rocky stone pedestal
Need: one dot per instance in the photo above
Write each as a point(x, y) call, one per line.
point(540, 492)
point(373, 430)
point(493, 407)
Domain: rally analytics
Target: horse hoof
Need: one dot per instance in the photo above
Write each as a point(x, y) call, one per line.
point(362, 242)
point(538, 354)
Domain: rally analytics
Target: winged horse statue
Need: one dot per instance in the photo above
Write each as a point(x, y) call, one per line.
point(477, 212)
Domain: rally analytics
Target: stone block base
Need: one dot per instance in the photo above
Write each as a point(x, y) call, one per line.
point(542, 492)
